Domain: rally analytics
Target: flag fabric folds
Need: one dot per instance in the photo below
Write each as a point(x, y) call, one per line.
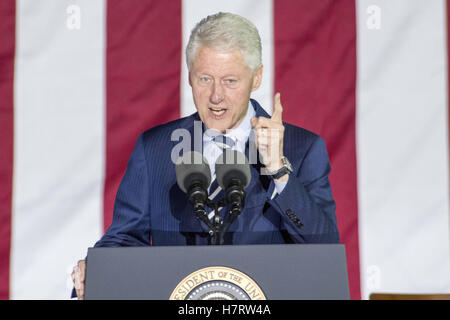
point(79, 80)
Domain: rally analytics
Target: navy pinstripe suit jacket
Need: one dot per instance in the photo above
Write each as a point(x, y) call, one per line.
point(151, 208)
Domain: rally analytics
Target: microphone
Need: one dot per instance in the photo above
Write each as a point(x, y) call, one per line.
point(233, 176)
point(193, 177)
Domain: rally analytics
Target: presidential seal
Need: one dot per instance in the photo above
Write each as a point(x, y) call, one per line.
point(217, 283)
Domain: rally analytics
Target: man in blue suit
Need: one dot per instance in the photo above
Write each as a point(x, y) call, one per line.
point(290, 203)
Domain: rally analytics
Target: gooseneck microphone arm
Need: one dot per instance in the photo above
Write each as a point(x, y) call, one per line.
point(233, 175)
point(217, 221)
point(198, 196)
point(235, 196)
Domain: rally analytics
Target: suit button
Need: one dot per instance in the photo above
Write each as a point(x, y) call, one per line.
point(294, 218)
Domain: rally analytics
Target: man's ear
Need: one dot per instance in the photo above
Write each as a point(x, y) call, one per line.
point(189, 77)
point(257, 78)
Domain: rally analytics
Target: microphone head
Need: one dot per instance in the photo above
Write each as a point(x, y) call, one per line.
point(232, 164)
point(190, 167)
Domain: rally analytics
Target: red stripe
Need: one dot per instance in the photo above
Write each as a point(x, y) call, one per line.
point(143, 79)
point(7, 47)
point(315, 71)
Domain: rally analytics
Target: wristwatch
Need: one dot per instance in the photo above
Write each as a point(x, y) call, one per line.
point(285, 169)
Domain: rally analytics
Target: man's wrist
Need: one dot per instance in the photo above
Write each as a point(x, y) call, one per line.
point(281, 171)
point(275, 168)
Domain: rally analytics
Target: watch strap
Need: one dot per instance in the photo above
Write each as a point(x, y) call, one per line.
point(281, 172)
point(285, 169)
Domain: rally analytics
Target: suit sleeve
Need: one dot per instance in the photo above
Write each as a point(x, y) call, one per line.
point(306, 203)
point(131, 219)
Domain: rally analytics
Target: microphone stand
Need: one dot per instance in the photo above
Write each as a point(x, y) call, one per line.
point(234, 212)
point(235, 196)
point(200, 213)
point(216, 229)
point(219, 227)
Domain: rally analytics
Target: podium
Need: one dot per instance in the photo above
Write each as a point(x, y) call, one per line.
point(244, 272)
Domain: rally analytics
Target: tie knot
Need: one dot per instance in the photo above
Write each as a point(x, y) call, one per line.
point(224, 142)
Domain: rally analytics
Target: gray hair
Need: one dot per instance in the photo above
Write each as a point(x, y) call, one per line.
point(225, 31)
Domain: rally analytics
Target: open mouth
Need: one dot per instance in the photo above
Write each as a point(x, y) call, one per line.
point(217, 113)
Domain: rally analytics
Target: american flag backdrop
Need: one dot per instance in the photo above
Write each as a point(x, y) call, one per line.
point(80, 79)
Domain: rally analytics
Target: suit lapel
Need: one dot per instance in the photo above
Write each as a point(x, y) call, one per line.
point(256, 191)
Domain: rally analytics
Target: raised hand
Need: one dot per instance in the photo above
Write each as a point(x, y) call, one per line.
point(269, 134)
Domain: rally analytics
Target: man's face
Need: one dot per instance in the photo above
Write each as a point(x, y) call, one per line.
point(221, 86)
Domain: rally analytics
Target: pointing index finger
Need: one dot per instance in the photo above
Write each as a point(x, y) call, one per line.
point(277, 108)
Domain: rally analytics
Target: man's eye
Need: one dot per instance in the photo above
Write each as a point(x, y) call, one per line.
point(204, 79)
point(230, 81)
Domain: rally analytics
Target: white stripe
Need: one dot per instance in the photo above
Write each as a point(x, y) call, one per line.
point(402, 148)
point(212, 213)
point(215, 193)
point(257, 11)
point(59, 144)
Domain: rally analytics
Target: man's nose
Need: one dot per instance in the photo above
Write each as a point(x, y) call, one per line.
point(217, 94)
